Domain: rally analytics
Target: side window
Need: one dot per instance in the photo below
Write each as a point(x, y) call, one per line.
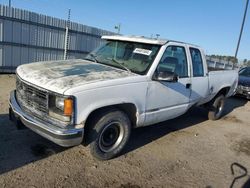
point(174, 60)
point(197, 62)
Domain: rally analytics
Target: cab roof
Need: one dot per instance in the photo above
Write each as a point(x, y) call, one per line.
point(142, 39)
point(139, 39)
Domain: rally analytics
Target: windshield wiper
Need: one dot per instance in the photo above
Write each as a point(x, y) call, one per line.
point(123, 66)
point(93, 58)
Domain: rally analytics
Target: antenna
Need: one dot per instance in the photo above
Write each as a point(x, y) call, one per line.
point(66, 41)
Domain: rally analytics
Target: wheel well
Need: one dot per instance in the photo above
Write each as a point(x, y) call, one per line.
point(127, 108)
point(224, 91)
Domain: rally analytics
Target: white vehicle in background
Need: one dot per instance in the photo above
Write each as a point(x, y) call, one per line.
point(126, 83)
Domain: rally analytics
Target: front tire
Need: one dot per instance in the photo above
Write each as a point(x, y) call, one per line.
point(216, 107)
point(110, 132)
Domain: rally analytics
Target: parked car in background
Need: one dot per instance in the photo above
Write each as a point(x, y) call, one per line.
point(244, 83)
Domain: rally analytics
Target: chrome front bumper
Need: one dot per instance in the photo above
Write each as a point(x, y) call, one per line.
point(60, 136)
point(243, 92)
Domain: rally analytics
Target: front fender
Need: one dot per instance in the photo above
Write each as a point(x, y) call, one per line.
point(91, 100)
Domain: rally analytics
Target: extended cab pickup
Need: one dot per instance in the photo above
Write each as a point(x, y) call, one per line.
point(126, 83)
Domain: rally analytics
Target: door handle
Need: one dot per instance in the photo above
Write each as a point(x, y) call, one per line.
point(188, 85)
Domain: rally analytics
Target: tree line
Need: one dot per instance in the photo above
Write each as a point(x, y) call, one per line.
point(246, 62)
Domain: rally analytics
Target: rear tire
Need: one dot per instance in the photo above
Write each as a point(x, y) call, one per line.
point(109, 133)
point(216, 107)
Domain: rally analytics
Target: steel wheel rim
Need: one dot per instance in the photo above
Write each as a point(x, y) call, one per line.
point(111, 136)
point(219, 108)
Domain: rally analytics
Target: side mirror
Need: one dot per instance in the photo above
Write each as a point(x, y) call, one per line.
point(165, 76)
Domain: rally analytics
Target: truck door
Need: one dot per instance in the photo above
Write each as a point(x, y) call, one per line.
point(199, 79)
point(167, 100)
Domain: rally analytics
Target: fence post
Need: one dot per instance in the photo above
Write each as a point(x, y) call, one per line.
point(66, 41)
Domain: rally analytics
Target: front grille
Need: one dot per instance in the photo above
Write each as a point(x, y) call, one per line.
point(31, 98)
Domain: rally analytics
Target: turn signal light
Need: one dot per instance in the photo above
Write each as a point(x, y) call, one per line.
point(68, 107)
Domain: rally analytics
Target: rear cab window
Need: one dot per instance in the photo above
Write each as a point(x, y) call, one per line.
point(197, 63)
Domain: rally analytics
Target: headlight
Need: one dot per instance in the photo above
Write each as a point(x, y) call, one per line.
point(245, 88)
point(59, 103)
point(61, 107)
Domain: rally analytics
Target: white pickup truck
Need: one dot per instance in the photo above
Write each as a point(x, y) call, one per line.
point(126, 83)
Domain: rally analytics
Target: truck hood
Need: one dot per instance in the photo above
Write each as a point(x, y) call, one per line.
point(58, 76)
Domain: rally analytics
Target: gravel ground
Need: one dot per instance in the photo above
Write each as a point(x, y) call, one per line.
point(189, 151)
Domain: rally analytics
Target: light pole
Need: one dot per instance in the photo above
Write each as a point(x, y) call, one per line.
point(241, 30)
point(118, 27)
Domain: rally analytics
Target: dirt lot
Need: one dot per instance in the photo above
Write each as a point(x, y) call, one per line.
point(189, 151)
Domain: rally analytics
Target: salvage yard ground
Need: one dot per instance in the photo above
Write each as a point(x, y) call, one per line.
point(189, 151)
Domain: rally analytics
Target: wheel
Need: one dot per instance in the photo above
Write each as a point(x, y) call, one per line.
point(216, 107)
point(109, 134)
point(248, 97)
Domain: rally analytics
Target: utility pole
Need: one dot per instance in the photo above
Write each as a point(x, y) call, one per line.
point(241, 30)
point(66, 40)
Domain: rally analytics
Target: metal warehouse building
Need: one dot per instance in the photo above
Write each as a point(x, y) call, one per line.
point(28, 37)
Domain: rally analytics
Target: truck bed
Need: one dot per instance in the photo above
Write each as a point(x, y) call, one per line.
point(222, 78)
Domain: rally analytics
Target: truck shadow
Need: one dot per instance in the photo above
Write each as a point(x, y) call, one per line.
point(20, 147)
point(233, 103)
point(144, 135)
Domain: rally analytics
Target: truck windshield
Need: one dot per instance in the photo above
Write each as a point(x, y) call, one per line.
point(130, 56)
